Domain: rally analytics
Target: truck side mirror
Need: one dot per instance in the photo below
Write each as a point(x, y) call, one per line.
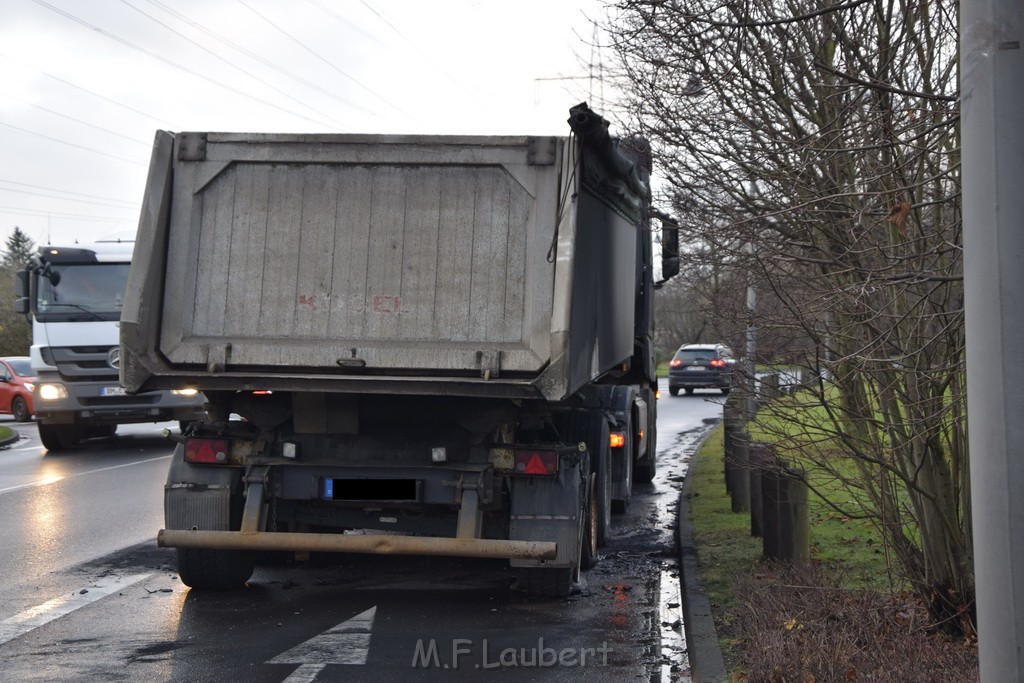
point(669, 249)
point(21, 292)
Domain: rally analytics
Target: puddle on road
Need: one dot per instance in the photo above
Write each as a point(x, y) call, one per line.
point(673, 464)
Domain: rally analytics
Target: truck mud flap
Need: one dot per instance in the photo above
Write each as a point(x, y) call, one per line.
point(549, 509)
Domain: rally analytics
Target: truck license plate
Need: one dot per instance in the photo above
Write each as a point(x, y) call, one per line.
point(112, 391)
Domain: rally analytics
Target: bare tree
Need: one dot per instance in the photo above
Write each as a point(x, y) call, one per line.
point(815, 149)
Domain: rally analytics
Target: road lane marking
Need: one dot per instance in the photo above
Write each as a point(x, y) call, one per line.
point(40, 615)
point(55, 479)
point(41, 482)
point(346, 643)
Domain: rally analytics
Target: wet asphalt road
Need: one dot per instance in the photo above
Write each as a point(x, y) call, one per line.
point(85, 594)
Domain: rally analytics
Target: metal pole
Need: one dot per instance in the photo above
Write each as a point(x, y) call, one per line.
point(992, 103)
point(751, 339)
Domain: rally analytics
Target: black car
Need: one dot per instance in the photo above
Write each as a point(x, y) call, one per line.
point(701, 366)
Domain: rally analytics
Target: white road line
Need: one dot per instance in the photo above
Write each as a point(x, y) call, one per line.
point(55, 479)
point(346, 643)
point(37, 616)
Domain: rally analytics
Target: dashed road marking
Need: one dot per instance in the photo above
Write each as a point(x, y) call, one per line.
point(40, 615)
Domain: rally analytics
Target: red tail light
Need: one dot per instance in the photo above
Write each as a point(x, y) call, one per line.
point(536, 462)
point(214, 451)
point(675, 363)
point(717, 363)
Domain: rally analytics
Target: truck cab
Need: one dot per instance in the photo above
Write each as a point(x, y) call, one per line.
point(73, 296)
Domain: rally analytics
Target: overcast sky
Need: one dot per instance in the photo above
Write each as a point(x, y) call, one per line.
point(85, 83)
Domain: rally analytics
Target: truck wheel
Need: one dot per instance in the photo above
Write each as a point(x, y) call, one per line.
point(589, 556)
point(19, 409)
point(619, 505)
point(644, 471)
point(59, 437)
point(210, 569)
point(596, 437)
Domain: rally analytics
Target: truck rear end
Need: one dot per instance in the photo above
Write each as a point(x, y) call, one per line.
point(402, 339)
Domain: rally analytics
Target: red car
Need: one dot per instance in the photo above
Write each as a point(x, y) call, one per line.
point(17, 388)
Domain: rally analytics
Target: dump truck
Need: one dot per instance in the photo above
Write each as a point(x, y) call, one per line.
point(72, 296)
point(425, 345)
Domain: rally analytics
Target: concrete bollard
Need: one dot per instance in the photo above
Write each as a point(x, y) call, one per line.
point(784, 516)
point(761, 455)
point(732, 428)
point(739, 470)
point(794, 526)
point(770, 512)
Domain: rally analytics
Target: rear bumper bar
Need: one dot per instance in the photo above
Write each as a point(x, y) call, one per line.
point(372, 544)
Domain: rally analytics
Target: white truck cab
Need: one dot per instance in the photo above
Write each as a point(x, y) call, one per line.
point(73, 297)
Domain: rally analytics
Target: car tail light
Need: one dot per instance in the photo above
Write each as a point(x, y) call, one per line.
point(675, 363)
point(616, 439)
point(535, 462)
point(213, 451)
point(717, 363)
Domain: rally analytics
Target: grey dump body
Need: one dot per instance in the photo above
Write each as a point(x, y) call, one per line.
point(425, 335)
point(463, 266)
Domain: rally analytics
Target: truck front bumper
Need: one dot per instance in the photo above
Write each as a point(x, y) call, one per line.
point(106, 403)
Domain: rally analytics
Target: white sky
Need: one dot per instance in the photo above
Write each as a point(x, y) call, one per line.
point(85, 83)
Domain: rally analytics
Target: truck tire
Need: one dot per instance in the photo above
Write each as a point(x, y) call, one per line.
point(619, 505)
point(589, 556)
point(59, 437)
point(19, 410)
point(210, 569)
point(594, 433)
point(644, 471)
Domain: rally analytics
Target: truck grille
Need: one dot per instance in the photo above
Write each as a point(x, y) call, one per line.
point(84, 363)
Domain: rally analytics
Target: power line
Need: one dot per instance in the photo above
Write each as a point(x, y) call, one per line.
point(22, 64)
point(322, 59)
point(21, 211)
point(169, 62)
point(70, 199)
point(73, 144)
point(249, 53)
point(76, 120)
point(79, 194)
point(232, 64)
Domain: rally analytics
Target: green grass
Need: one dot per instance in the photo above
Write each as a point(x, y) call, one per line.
point(6, 433)
point(726, 551)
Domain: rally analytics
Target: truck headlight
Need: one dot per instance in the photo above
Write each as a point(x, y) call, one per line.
point(52, 392)
point(184, 392)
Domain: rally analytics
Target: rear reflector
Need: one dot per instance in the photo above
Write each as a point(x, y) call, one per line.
point(213, 451)
point(536, 462)
point(616, 439)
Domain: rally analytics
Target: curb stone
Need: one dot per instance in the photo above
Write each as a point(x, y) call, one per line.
point(14, 438)
point(705, 653)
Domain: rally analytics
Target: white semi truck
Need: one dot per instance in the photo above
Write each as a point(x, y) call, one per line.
point(73, 296)
point(443, 343)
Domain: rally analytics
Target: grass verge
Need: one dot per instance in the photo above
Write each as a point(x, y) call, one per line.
point(843, 617)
